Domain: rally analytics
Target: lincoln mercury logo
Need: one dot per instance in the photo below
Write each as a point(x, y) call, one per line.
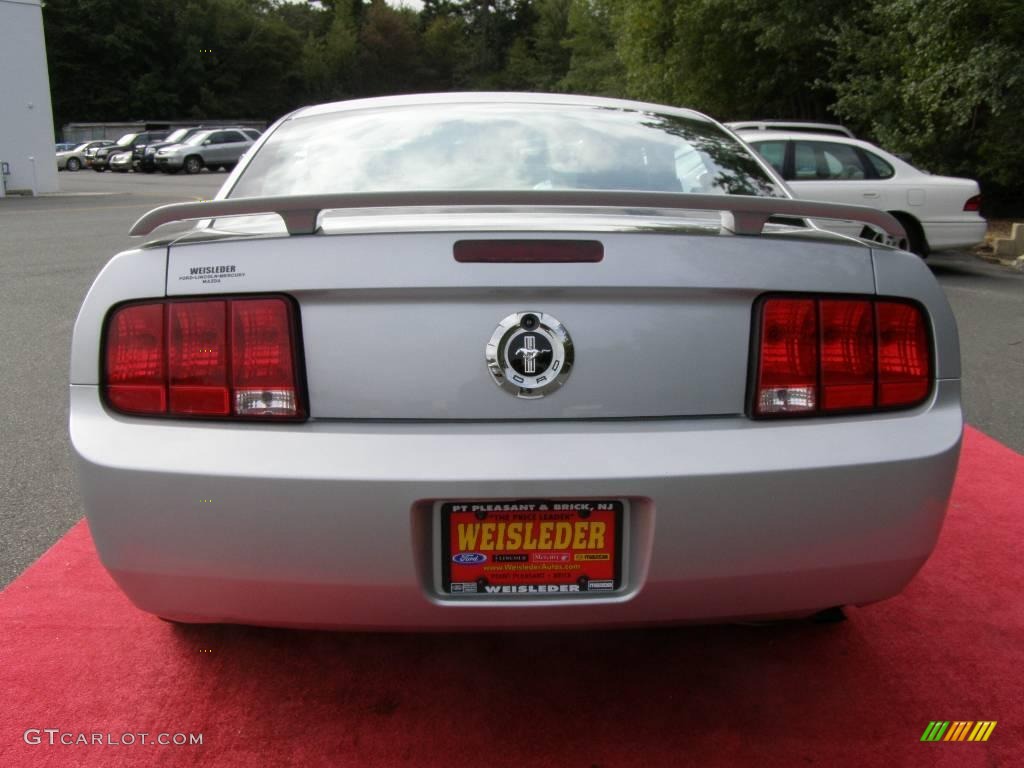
point(530, 354)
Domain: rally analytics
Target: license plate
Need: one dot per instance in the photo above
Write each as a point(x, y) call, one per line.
point(530, 548)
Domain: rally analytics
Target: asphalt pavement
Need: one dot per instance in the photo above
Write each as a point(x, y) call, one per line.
point(52, 247)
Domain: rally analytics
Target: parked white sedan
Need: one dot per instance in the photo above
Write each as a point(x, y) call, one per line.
point(938, 212)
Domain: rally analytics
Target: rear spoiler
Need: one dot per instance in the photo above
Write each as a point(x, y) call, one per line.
point(741, 214)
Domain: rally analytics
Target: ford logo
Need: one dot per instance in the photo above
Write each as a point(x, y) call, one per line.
point(469, 558)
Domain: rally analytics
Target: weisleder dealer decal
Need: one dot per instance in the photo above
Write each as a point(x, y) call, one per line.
point(212, 274)
point(531, 547)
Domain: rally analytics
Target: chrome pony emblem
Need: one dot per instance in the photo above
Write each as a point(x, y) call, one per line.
point(530, 354)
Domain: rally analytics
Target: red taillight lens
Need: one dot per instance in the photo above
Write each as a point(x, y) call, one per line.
point(788, 374)
point(136, 355)
point(973, 203)
point(261, 358)
point(847, 355)
point(220, 358)
point(834, 355)
point(904, 365)
point(197, 354)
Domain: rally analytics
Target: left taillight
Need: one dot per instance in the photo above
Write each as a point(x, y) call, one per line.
point(973, 203)
point(828, 355)
point(207, 358)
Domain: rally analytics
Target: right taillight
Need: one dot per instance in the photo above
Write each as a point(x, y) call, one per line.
point(973, 203)
point(189, 358)
point(824, 355)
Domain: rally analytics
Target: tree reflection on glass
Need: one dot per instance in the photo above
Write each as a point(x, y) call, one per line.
point(502, 146)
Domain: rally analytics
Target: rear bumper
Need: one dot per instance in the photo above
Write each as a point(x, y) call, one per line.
point(330, 524)
point(943, 235)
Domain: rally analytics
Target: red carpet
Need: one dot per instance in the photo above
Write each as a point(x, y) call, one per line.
point(76, 656)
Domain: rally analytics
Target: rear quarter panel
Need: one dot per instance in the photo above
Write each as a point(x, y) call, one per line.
point(134, 274)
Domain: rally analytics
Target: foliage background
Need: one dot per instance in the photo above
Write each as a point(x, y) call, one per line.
point(939, 80)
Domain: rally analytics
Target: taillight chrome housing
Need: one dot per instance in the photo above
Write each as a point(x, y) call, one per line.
point(824, 355)
point(236, 357)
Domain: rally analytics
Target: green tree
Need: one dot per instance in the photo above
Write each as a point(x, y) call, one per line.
point(107, 58)
point(732, 58)
point(539, 60)
point(940, 80)
point(594, 63)
point(446, 48)
point(329, 59)
point(389, 58)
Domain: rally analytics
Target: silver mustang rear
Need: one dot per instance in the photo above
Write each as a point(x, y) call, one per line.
point(501, 360)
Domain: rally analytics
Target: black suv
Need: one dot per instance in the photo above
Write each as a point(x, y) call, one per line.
point(127, 143)
point(144, 155)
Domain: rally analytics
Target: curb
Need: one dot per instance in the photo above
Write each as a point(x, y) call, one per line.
point(991, 258)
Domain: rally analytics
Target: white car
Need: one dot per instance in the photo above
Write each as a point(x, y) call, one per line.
point(798, 126)
point(938, 212)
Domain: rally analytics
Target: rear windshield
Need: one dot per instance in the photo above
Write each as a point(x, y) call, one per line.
point(501, 146)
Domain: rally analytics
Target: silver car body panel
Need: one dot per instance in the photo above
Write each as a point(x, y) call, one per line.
point(330, 523)
point(333, 522)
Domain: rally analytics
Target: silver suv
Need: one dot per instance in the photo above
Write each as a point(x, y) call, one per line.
point(213, 148)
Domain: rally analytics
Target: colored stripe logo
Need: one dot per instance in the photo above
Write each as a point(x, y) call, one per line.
point(958, 730)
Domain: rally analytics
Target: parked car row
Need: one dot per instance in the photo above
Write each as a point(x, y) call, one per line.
point(74, 157)
point(184, 149)
point(825, 162)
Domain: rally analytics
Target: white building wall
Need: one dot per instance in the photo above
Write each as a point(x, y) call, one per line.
point(26, 115)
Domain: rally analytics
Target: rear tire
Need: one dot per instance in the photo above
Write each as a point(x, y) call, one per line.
point(916, 241)
point(74, 164)
point(193, 164)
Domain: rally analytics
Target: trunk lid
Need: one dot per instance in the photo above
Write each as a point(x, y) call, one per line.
point(395, 328)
